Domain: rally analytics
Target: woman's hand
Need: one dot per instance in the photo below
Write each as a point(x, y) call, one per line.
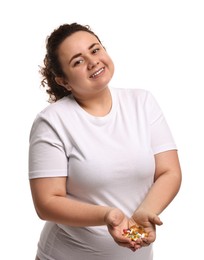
point(148, 221)
point(116, 222)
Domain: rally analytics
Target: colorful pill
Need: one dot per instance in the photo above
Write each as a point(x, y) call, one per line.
point(135, 232)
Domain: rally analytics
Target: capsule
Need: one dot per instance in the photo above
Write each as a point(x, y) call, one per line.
point(135, 232)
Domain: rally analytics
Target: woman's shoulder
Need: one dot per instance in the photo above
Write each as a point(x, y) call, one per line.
point(135, 91)
point(58, 106)
point(55, 110)
point(131, 93)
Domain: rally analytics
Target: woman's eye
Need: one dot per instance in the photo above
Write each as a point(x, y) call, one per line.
point(78, 62)
point(96, 50)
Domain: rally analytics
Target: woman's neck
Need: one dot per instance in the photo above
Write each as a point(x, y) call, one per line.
point(98, 105)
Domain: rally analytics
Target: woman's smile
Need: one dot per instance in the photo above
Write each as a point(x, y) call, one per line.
point(98, 73)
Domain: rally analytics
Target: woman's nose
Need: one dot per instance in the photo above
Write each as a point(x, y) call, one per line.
point(92, 64)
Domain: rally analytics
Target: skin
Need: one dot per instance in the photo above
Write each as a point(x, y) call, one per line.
point(89, 69)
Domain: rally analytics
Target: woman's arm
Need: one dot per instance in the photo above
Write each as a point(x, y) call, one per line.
point(52, 204)
point(166, 185)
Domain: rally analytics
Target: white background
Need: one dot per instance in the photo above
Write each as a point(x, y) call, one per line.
point(156, 45)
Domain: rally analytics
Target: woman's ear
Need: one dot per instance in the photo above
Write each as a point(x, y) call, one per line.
point(62, 82)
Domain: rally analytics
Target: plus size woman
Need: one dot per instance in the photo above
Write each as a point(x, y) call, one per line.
point(101, 159)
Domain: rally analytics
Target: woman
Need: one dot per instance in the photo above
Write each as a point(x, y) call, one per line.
point(101, 159)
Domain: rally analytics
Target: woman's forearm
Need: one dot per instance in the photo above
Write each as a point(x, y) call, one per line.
point(161, 193)
point(167, 182)
point(52, 204)
point(65, 211)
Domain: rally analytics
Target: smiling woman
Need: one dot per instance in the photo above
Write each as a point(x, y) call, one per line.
point(104, 157)
point(85, 73)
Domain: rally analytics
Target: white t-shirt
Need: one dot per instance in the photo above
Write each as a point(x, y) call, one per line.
point(108, 161)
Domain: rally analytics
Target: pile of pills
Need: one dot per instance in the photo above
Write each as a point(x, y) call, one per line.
point(135, 232)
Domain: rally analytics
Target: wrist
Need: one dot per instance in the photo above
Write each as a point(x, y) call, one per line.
point(145, 215)
point(113, 217)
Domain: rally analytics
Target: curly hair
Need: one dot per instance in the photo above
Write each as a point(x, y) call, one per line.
point(52, 67)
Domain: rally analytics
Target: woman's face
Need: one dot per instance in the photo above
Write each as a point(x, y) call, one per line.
point(86, 64)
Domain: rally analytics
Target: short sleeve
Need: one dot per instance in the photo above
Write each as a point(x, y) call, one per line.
point(47, 157)
point(161, 136)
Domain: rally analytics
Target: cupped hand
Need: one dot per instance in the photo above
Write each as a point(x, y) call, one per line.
point(148, 221)
point(116, 222)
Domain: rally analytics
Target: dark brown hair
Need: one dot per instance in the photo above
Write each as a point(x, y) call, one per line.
point(52, 67)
